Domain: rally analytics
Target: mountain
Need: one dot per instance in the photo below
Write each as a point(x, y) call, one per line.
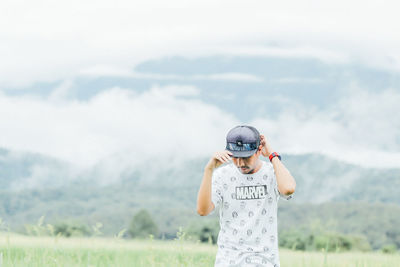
point(260, 85)
point(169, 192)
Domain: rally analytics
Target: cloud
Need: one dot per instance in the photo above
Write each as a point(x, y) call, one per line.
point(114, 71)
point(107, 70)
point(239, 77)
point(120, 130)
point(363, 128)
point(326, 53)
point(296, 80)
point(163, 123)
point(171, 122)
point(47, 42)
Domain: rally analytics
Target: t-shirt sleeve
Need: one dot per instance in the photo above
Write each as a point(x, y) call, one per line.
point(216, 188)
point(275, 186)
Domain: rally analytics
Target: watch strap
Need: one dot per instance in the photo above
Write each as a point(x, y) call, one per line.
point(273, 155)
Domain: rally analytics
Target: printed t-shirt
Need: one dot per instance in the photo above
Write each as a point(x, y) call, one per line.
point(248, 216)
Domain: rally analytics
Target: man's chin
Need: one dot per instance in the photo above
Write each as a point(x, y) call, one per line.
point(244, 170)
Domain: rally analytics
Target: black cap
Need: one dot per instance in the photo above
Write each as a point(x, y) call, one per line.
point(243, 141)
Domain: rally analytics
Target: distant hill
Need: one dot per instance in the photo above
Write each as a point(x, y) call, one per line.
point(169, 193)
point(321, 179)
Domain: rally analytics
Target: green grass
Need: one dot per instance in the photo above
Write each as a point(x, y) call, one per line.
point(18, 250)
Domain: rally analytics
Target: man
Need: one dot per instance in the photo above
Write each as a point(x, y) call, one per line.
point(247, 192)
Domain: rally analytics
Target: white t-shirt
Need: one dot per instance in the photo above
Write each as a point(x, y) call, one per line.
point(248, 216)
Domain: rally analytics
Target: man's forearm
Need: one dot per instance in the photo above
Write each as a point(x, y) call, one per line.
point(285, 181)
point(204, 203)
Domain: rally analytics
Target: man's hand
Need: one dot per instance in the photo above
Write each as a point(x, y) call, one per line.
point(204, 203)
point(218, 159)
point(266, 149)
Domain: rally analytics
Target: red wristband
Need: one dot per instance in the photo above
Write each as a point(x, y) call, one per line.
point(273, 155)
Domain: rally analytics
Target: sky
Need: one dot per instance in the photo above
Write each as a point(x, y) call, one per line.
point(47, 40)
point(59, 44)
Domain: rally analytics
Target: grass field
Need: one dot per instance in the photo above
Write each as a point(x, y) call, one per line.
point(18, 250)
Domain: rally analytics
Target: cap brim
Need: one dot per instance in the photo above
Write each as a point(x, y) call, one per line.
point(242, 154)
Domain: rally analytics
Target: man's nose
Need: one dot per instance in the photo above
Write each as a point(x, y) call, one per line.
point(240, 161)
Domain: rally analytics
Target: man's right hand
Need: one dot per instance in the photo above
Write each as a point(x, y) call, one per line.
point(204, 202)
point(218, 159)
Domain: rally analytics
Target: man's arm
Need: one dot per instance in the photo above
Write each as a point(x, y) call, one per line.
point(204, 203)
point(285, 181)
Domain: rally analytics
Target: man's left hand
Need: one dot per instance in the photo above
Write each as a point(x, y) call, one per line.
point(266, 149)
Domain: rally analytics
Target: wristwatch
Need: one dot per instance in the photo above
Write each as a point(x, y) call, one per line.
point(273, 155)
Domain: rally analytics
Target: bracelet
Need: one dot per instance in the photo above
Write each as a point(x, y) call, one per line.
point(273, 155)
